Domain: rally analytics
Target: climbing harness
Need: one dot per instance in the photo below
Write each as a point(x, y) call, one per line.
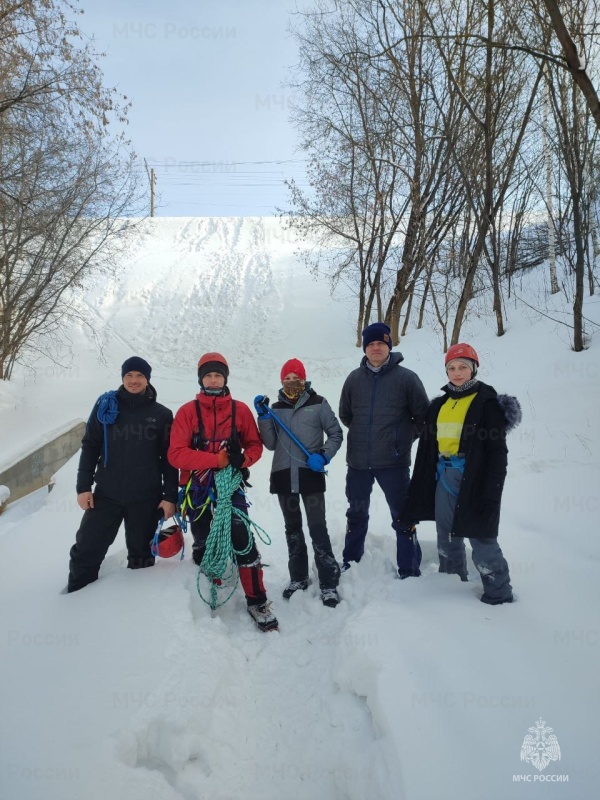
point(107, 413)
point(197, 495)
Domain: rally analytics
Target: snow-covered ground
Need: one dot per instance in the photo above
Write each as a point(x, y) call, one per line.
point(132, 690)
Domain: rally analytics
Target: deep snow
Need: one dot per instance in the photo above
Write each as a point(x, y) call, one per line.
point(131, 689)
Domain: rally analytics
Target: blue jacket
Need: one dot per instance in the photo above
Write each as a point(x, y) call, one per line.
point(384, 412)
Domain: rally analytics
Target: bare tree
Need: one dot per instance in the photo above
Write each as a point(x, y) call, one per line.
point(380, 172)
point(574, 144)
point(355, 172)
point(576, 67)
point(498, 96)
point(62, 216)
point(66, 182)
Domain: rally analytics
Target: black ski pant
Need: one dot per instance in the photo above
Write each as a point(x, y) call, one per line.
point(98, 530)
point(328, 568)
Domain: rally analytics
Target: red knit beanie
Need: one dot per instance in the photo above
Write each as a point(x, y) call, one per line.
point(293, 365)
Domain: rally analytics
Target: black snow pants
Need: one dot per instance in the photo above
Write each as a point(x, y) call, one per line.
point(314, 505)
point(98, 530)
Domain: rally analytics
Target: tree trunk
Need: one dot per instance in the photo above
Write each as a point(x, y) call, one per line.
point(422, 308)
point(578, 340)
point(549, 206)
point(497, 307)
point(411, 294)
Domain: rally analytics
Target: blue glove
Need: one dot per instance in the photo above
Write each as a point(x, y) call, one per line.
point(317, 461)
point(261, 404)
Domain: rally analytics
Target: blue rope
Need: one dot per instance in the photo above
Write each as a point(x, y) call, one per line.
point(294, 439)
point(108, 411)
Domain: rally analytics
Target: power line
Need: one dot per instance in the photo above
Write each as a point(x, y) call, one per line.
point(183, 163)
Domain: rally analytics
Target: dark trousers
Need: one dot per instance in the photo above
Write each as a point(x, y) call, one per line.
point(314, 506)
point(98, 530)
point(394, 484)
point(248, 563)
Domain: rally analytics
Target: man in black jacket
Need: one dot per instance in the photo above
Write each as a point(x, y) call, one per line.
point(124, 452)
point(384, 407)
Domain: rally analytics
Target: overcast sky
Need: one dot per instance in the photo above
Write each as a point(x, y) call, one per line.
point(205, 79)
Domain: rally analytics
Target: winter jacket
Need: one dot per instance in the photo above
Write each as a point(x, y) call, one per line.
point(483, 444)
point(384, 412)
point(136, 468)
point(308, 419)
point(216, 422)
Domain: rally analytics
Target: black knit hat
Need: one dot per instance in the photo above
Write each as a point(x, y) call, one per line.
point(377, 332)
point(136, 364)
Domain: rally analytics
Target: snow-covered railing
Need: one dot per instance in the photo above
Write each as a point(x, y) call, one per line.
point(34, 468)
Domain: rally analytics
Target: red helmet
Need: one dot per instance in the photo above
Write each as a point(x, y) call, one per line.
point(168, 543)
point(212, 362)
point(212, 357)
point(461, 351)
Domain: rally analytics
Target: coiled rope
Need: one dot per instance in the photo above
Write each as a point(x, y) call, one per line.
point(107, 413)
point(219, 563)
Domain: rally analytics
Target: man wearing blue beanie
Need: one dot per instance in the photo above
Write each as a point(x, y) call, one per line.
point(383, 405)
point(124, 453)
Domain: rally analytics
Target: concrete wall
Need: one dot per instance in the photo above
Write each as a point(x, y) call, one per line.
point(35, 468)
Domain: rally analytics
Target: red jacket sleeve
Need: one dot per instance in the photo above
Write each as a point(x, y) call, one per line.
point(249, 436)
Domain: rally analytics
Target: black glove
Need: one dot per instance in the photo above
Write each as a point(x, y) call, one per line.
point(236, 457)
point(245, 476)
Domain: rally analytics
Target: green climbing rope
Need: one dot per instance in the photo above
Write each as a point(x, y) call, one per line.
point(219, 563)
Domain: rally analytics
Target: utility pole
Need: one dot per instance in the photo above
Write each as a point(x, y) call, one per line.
point(152, 179)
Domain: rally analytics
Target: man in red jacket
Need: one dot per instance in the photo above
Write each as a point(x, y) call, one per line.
point(208, 434)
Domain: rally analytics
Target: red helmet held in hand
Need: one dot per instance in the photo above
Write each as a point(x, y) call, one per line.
point(170, 542)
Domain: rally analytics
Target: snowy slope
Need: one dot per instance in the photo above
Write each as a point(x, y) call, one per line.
point(409, 689)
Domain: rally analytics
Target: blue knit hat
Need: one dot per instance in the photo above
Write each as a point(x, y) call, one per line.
point(136, 364)
point(377, 332)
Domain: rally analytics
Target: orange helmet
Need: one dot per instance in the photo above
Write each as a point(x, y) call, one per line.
point(212, 357)
point(212, 362)
point(461, 351)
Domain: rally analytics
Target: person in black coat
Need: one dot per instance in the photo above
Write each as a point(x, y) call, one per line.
point(460, 470)
point(124, 452)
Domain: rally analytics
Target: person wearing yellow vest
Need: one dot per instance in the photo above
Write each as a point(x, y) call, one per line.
point(460, 470)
